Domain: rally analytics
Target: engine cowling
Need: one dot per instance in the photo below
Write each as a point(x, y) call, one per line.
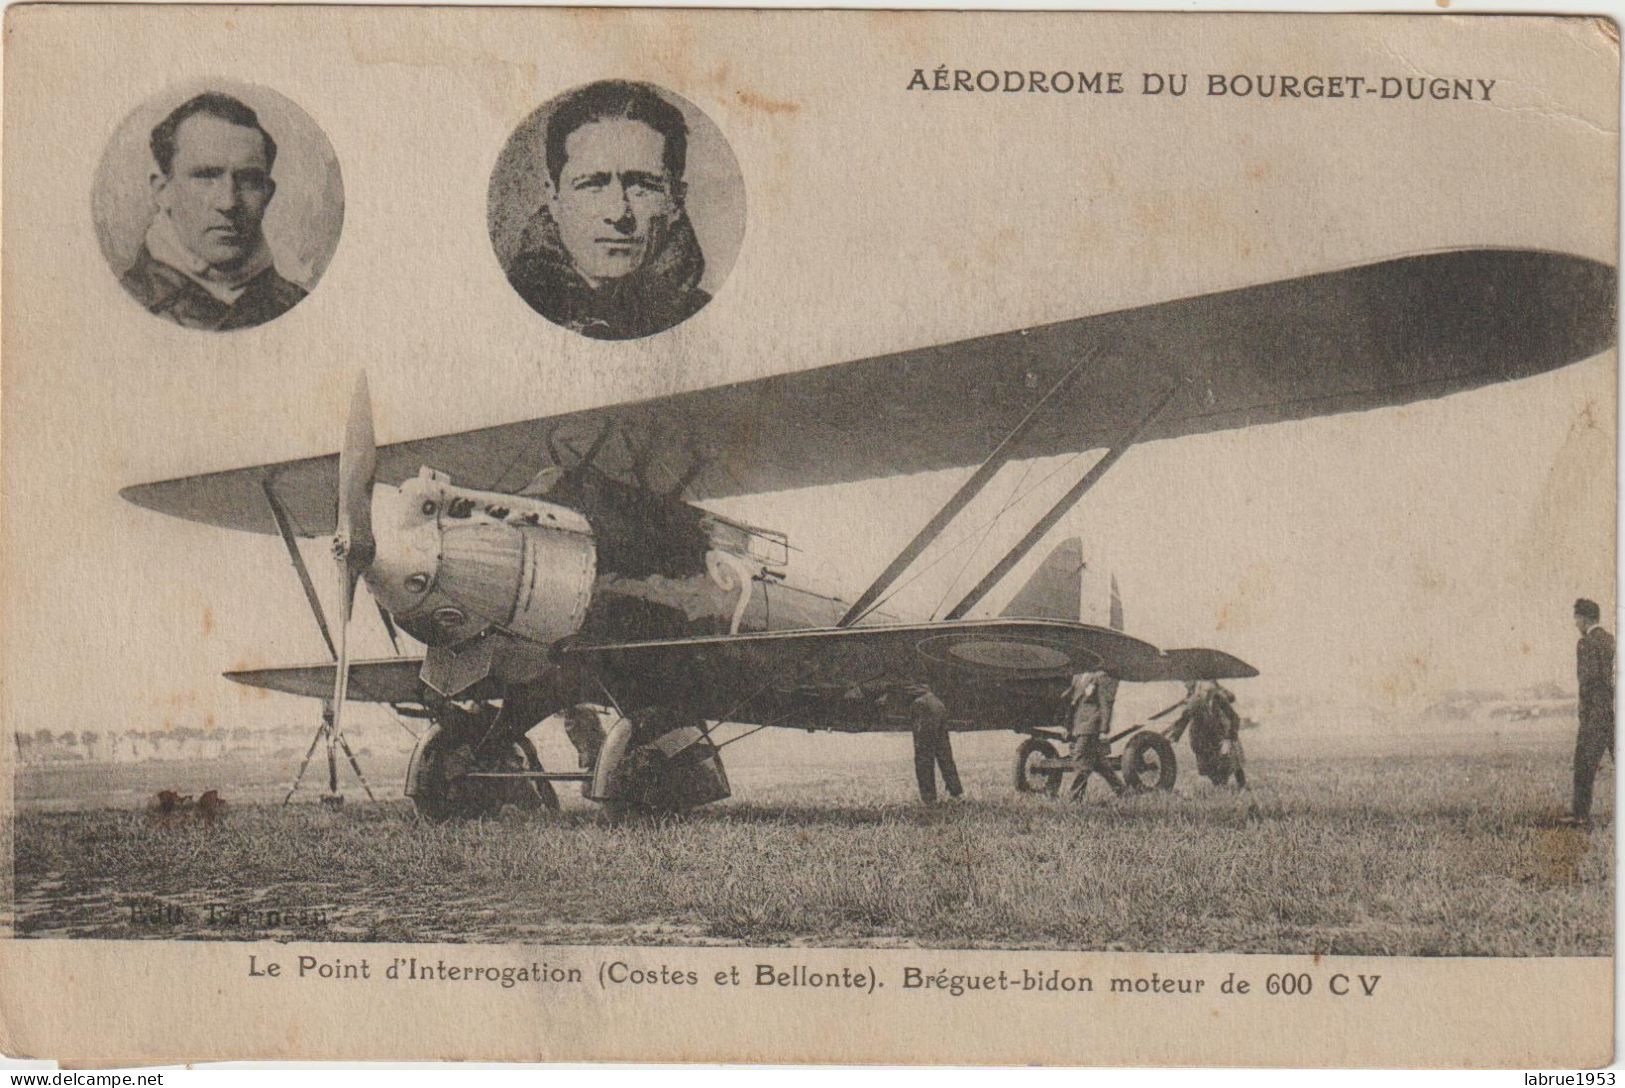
point(454, 563)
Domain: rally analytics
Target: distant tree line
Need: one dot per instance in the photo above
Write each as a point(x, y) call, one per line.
point(137, 745)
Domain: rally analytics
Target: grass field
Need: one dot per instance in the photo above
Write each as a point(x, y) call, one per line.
point(1411, 846)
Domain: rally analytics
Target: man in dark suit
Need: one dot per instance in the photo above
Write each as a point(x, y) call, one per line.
point(1595, 667)
point(933, 746)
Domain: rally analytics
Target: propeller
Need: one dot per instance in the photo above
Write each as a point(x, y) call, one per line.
point(353, 542)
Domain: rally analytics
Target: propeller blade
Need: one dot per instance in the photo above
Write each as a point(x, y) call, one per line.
point(353, 544)
point(341, 672)
point(358, 464)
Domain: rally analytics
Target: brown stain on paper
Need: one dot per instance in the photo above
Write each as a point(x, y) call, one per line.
point(1558, 853)
point(1252, 596)
point(763, 104)
point(247, 692)
point(1574, 508)
point(1407, 681)
point(1609, 31)
point(500, 82)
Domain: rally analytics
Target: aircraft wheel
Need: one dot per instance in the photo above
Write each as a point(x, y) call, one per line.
point(445, 792)
point(645, 782)
point(1148, 762)
point(673, 767)
point(1028, 780)
point(434, 785)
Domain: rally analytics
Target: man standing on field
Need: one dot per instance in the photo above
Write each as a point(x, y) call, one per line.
point(933, 747)
point(1595, 668)
point(1091, 697)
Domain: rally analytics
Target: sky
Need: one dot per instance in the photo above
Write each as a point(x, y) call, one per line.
point(1378, 558)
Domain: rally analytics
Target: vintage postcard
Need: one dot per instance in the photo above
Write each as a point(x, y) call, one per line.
point(765, 536)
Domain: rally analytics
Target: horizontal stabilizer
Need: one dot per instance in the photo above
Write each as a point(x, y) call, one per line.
point(387, 680)
point(1201, 664)
point(1055, 591)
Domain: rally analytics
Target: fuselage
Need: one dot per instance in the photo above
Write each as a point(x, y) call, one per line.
point(579, 556)
point(494, 584)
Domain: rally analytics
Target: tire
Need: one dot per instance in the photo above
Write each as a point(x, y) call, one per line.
point(434, 787)
point(1149, 763)
point(644, 771)
point(650, 781)
point(443, 793)
point(1028, 781)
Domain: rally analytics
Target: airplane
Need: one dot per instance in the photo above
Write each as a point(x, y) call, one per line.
point(547, 570)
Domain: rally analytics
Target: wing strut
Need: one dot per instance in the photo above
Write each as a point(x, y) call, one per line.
point(1059, 510)
point(284, 527)
point(967, 491)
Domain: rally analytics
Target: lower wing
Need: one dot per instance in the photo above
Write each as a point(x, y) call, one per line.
point(391, 680)
point(989, 674)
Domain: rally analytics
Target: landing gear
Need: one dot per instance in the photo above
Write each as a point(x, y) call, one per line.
point(1148, 762)
point(460, 772)
point(441, 785)
point(659, 760)
point(1031, 776)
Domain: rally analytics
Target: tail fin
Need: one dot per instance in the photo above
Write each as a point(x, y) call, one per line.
point(1055, 591)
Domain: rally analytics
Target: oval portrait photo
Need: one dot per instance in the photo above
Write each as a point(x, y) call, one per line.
point(616, 210)
point(218, 205)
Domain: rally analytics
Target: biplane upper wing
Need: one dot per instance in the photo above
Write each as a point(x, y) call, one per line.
point(797, 677)
point(1364, 337)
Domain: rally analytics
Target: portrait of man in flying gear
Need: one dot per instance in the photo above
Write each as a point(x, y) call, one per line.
point(610, 253)
point(204, 262)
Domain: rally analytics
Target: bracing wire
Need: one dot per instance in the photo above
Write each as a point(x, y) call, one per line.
point(965, 538)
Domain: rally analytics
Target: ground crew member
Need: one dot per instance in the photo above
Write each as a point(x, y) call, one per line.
point(1594, 659)
point(1214, 725)
point(933, 747)
point(1091, 697)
